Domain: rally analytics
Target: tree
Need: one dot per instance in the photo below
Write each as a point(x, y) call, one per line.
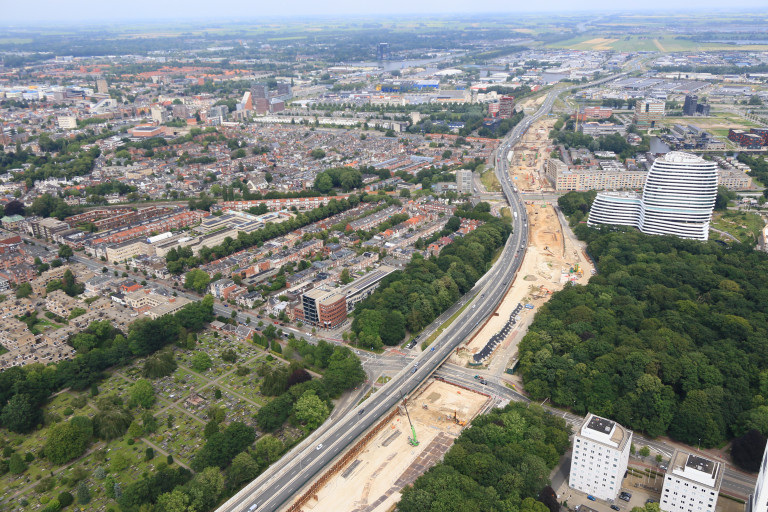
point(645, 451)
point(453, 223)
point(267, 450)
point(747, 450)
point(345, 277)
point(142, 393)
point(548, 497)
point(65, 251)
point(212, 427)
point(67, 441)
point(119, 462)
point(344, 371)
point(65, 499)
point(159, 365)
point(112, 420)
point(83, 493)
point(201, 362)
point(243, 468)
point(229, 355)
point(197, 280)
point(14, 207)
point(755, 100)
point(20, 414)
point(16, 465)
point(206, 488)
point(223, 446)
point(135, 430)
point(323, 183)
point(310, 410)
point(23, 291)
point(174, 501)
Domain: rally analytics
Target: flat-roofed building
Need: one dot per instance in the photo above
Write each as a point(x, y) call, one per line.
point(611, 176)
point(600, 457)
point(464, 181)
point(692, 483)
point(126, 250)
point(648, 112)
point(324, 308)
point(46, 228)
point(170, 306)
point(363, 287)
point(61, 304)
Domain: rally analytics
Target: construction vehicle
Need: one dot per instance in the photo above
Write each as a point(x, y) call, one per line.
point(457, 420)
point(412, 438)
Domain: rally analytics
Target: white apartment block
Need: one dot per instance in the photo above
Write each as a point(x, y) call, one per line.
point(600, 457)
point(758, 502)
point(692, 483)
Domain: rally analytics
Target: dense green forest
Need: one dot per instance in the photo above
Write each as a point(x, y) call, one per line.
point(411, 299)
point(502, 462)
point(668, 338)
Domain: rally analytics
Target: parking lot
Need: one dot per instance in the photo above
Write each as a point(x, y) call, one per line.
point(641, 489)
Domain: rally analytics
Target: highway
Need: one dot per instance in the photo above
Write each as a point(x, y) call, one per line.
point(281, 481)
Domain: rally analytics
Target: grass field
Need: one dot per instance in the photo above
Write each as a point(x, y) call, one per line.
point(717, 124)
point(490, 181)
point(651, 42)
point(743, 225)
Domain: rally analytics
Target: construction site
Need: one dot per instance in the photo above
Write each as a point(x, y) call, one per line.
point(527, 160)
point(411, 440)
point(553, 258)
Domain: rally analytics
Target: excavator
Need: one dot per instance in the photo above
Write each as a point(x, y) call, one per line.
point(412, 439)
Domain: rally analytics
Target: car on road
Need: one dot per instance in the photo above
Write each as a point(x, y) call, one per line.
point(591, 498)
point(319, 447)
point(360, 412)
point(615, 507)
point(252, 508)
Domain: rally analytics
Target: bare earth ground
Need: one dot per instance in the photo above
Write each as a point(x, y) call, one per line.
point(372, 482)
point(550, 260)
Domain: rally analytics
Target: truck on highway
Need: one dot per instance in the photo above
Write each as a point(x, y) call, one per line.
point(515, 214)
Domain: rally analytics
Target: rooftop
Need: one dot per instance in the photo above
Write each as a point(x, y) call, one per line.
point(679, 157)
point(605, 431)
point(697, 469)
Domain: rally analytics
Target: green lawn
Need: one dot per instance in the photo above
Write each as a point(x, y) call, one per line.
point(743, 225)
point(490, 181)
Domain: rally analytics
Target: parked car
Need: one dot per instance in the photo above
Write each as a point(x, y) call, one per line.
point(591, 498)
point(615, 507)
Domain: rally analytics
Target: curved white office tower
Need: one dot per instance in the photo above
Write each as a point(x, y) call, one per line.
point(678, 199)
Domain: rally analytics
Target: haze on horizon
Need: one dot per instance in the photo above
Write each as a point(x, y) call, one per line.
point(74, 11)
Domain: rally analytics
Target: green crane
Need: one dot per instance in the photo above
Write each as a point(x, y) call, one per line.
point(412, 439)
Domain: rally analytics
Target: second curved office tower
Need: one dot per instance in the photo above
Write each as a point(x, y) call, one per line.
point(678, 199)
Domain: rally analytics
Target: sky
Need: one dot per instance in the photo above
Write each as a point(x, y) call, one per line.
point(74, 11)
